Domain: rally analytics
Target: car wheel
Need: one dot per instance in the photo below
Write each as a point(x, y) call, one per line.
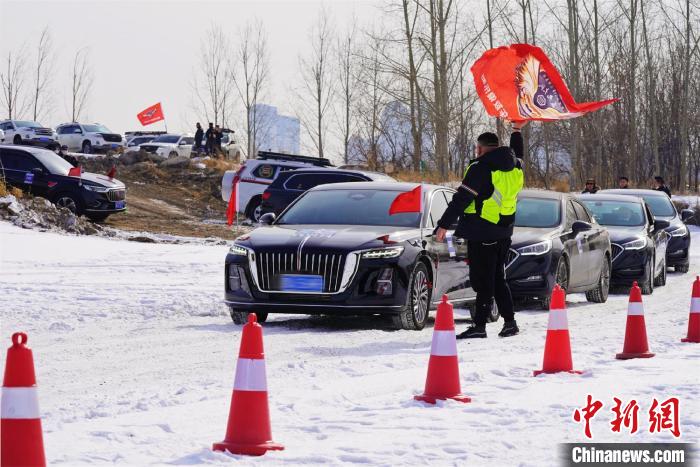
point(87, 147)
point(17, 139)
point(648, 285)
point(417, 308)
point(241, 317)
point(172, 154)
point(68, 201)
point(492, 317)
point(660, 280)
point(600, 293)
point(97, 217)
point(254, 209)
point(561, 277)
point(682, 268)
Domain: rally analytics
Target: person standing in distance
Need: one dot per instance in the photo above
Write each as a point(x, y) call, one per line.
point(485, 204)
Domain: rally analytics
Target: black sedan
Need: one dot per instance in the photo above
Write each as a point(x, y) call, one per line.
point(677, 252)
point(556, 241)
point(336, 249)
point(638, 239)
point(44, 173)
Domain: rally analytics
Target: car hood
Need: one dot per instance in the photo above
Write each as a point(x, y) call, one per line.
point(523, 236)
point(327, 236)
point(103, 180)
point(620, 234)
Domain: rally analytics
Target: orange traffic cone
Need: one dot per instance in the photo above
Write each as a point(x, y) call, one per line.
point(557, 345)
point(442, 381)
point(636, 345)
point(21, 442)
point(694, 318)
point(248, 430)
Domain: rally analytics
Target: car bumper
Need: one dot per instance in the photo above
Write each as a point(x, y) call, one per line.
point(531, 276)
point(677, 251)
point(99, 203)
point(107, 146)
point(40, 142)
point(630, 266)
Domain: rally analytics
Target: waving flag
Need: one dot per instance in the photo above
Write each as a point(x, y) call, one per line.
point(232, 207)
point(75, 171)
point(151, 115)
point(409, 201)
point(520, 83)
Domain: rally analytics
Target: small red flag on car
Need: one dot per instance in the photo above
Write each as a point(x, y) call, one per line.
point(519, 83)
point(151, 115)
point(409, 201)
point(112, 172)
point(232, 202)
point(75, 172)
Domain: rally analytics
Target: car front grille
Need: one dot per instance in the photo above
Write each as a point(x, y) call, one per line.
point(511, 256)
point(43, 131)
point(270, 265)
point(111, 137)
point(616, 250)
point(116, 195)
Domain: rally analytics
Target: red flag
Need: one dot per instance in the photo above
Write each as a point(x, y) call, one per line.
point(151, 115)
point(520, 83)
point(409, 201)
point(75, 171)
point(232, 208)
point(112, 172)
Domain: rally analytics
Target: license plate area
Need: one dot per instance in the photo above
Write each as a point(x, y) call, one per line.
point(301, 283)
point(119, 204)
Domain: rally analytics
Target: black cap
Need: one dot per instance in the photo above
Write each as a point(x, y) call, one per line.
point(488, 139)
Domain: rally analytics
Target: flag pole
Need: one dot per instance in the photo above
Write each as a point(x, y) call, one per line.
point(420, 170)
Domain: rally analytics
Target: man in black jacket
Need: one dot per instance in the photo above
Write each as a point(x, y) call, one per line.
point(198, 137)
point(661, 185)
point(485, 205)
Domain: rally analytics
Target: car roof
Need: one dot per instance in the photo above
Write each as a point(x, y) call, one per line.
point(29, 149)
point(547, 194)
point(611, 197)
point(633, 192)
point(322, 170)
point(386, 186)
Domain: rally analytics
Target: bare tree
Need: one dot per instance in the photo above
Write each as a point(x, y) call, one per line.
point(347, 81)
point(212, 90)
point(12, 79)
point(42, 75)
point(250, 75)
point(81, 83)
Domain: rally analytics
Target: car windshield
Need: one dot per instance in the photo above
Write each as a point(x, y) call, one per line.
point(96, 129)
point(615, 213)
point(660, 205)
point(25, 124)
point(53, 162)
point(348, 207)
point(141, 139)
point(167, 139)
point(538, 212)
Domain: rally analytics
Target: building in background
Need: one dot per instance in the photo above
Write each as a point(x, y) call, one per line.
point(275, 132)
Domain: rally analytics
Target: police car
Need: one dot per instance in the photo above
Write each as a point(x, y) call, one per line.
point(255, 175)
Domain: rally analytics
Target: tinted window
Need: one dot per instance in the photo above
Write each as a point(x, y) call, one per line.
point(19, 160)
point(166, 139)
point(538, 212)
point(53, 162)
point(348, 207)
point(265, 171)
point(617, 213)
point(581, 213)
point(26, 124)
point(306, 181)
point(6, 126)
point(187, 140)
point(660, 205)
point(96, 129)
point(437, 208)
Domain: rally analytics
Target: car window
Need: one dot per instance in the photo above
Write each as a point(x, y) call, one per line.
point(306, 181)
point(266, 171)
point(616, 213)
point(660, 205)
point(437, 208)
point(570, 215)
point(538, 212)
point(53, 162)
point(6, 126)
point(18, 160)
point(581, 213)
point(62, 130)
point(187, 140)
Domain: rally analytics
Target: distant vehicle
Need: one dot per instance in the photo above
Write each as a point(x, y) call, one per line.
point(129, 135)
point(89, 137)
point(638, 239)
point(232, 150)
point(44, 173)
point(336, 250)
point(255, 175)
point(289, 185)
point(135, 142)
point(28, 133)
point(678, 249)
point(2, 136)
point(170, 145)
point(557, 241)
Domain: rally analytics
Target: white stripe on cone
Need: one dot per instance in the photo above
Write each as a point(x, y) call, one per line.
point(557, 320)
point(695, 305)
point(250, 375)
point(444, 344)
point(19, 403)
point(635, 308)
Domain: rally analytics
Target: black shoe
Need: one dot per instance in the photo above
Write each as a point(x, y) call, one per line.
point(474, 332)
point(510, 328)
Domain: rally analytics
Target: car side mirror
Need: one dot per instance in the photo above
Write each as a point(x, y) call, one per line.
point(661, 224)
point(687, 214)
point(268, 218)
point(580, 226)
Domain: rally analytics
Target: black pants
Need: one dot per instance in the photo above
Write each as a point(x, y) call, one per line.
point(487, 273)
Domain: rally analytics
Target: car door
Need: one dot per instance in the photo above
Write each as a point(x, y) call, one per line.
point(660, 239)
point(74, 137)
point(592, 244)
point(20, 170)
point(573, 247)
point(184, 146)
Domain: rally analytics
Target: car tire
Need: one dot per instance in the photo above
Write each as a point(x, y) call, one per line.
point(660, 280)
point(415, 312)
point(173, 154)
point(648, 285)
point(241, 317)
point(70, 202)
point(17, 139)
point(87, 147)
point(254, 209)
point(97, 217)
point(561, 277)
point(682, 268)
point(492, 317)
point(600, 293)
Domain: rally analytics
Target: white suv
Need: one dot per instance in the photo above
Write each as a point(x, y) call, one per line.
point(170, 145)
point(255, 175)
point(29, 133)
point(89, 137)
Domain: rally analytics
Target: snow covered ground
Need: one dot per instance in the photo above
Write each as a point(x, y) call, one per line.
point(135, 357)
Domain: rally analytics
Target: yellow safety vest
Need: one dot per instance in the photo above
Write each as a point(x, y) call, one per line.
point(506, 186)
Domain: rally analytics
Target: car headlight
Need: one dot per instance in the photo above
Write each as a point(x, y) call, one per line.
point(383, 253)
point(96, 188)
point(681, 231)
point(637, 244)
point(536, 248)
point(238, 250)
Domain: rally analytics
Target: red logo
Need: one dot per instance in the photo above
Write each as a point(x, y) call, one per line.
point(151, 115)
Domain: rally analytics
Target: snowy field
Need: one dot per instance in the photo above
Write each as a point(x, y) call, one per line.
point(135, 357)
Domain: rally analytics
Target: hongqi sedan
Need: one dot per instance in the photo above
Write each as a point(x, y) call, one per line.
point(556, 241)
point(336, 249)
point(638, 240)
